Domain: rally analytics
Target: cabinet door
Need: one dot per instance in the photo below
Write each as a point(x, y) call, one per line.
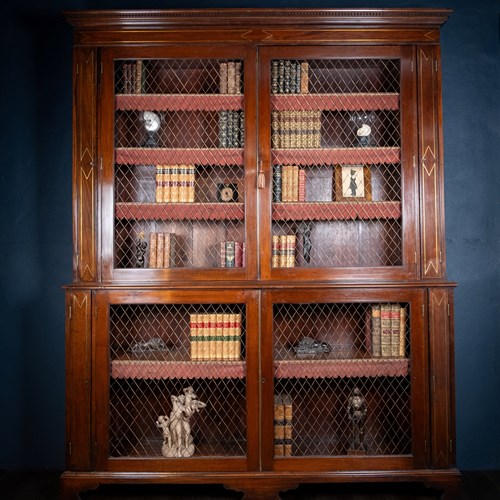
point(337, 146)
point(175, 129)
point(348, 380)
point(175, 381)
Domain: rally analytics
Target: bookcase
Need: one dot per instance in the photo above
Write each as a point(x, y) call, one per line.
point(259, 293)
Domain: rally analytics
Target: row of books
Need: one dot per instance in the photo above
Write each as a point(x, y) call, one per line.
point(231, 129)
point(232, 254)
point(230, 77)
point(175, 183)
point(289, 183)
point(296, 129)
point(282, 426)
point(388, 330)
point(215, 336)
point(161, 250)
point(289, 77)
point(283, 250)
point(133, 77)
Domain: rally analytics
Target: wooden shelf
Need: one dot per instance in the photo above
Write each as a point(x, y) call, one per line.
point(348, 156)
point(336, 102)
point(161, 369)
point(337, 368)
point(180, 211)
point(170, 156)
point(337, 210)
point(179, 102)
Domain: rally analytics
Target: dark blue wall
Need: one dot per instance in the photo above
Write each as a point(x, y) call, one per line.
point(35, 222)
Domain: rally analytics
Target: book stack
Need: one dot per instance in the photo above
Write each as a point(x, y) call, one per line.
point(296, 129)
point(231, 129)
point(283, 250)
point(215, 336)
point(289, 77)
point(133, 77)
point(175, 183)
point(282, 426)
point(289, 183)
point(161, 250)
point(230, 77)
point(388, 330)
point(232, 254)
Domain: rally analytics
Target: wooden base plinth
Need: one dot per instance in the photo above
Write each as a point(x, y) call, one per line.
point(260, 485)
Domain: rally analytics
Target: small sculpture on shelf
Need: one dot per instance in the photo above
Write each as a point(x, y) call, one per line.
point(176, 428)
point(154, 344)
point(308, 346)
point(357, 410)
point(140, 251)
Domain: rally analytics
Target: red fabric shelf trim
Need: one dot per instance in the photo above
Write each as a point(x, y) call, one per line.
point(336, 102)
point(337, 210)
point(375, 367)
point(180, 211)
point(160, 156)
point(179, 102)
point(347, 156)
point(157, 370)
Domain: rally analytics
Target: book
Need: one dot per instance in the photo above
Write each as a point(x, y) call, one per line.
point(395, 329)
point(194, 332)
point(376, 331)
point(153, 243)
point(223, 78)
point(287, 430)
point(385, 330)
point(277, 183)
point(217, 340)
point(304, 77)
point(226, 335)
point(402, 332)
point(279, 427)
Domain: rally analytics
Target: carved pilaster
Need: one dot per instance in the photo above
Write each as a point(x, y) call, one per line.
point(84, 164)
point(431, 165)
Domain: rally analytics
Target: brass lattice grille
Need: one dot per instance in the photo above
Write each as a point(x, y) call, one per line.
point(179, 137)
point(155, 354)
point(335, 133)
point(323, 355)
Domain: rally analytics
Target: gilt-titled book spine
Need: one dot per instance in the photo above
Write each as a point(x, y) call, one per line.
point(288, 428)
point(279, 427)
point(385, 330)
point(395, 327)
point(304, 77)
point(223, 78)
point(194, 332)
point(277, 183)
point(376, 331)
point(226, 335)
point(402, 332)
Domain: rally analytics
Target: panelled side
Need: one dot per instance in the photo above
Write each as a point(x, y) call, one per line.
point(84, 164)
point(78, 384)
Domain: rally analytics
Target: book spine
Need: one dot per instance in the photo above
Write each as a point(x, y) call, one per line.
point(226, 336)
point(302, 185)
point(385, 330)
point(287, 434)
point(402, 332)
point(275, 256)
point(159, 184)
point(274, 76)
point(191, 183)
point(223, 78)
point(174, 183)
point(209, 327)
point(295, 183)
point(212, 334)
point(218, 338)
point(376, 331)
point(238, 77)
point(304, 77)
point(194, 333)
point(138, 76)
point(230, 254)
point(222, 254)
point(223, 129)
point(238, 254)
point(279, 427)
point(275, 130)
point(237, 332)
point(153, 244)
point(395, 327)
point(231, 77)
point(277, 183)
point(160, 250)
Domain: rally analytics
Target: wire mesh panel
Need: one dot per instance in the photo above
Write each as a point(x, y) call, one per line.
point(336, 139)
point(179, 137)
point(342, 379)
point(178, 380)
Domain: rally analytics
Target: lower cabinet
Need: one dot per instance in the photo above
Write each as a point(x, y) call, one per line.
point(273, 386)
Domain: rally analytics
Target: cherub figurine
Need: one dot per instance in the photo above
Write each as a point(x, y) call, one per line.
point(357, 413)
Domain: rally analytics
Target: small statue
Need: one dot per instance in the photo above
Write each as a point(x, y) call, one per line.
point(154, 344)
point(140, 251)
point(357, 414)
point(362, 121)
point(307, 346)
point(176, 429)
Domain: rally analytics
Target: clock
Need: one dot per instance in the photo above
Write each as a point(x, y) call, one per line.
point(227, 192)
point(152, 122)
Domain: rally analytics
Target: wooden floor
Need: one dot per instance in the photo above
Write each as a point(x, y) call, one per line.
point(43, 485)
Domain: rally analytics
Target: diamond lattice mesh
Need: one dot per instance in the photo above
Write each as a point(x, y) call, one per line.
point(323, 355)
point(158, 352)
point(335, 130)
point(179, 136)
